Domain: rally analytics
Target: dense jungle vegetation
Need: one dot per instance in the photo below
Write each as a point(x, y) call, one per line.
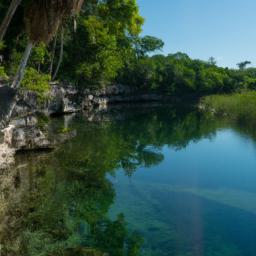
point(100, 43)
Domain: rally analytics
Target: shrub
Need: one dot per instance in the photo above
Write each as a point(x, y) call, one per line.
point(3, 75)
point(36, 82)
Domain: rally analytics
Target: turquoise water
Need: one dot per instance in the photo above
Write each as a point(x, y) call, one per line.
point(140, 180)
point(200, 200)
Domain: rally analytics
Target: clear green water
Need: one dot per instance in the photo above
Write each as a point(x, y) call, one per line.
point(145, 181)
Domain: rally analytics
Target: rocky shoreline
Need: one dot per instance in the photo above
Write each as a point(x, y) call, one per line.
point(28, 130)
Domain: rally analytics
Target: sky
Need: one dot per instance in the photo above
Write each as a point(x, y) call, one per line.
point(223, 29)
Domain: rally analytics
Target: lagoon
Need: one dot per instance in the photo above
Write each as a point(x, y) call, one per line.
point(141, 180)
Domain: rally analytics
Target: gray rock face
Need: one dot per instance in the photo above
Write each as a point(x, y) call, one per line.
point(27, 138)
point(66, 99)
point(63, 100)
point(27, 134)
point(55, 104)
point(100, 99)
point(24, 131)
point(29, 120)
point(24, 134)
point(6, 156)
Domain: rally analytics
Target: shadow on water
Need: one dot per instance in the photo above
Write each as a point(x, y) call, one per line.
point(71, 202)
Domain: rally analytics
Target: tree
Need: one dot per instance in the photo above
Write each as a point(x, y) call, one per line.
point(148, 44)
point(103, 42)
point(61, 53)
point(42, 19)
point(242, 65)
point(212, 61)
point(8, 17)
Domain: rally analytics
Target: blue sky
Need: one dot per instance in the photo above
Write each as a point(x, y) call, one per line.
point(224, 29)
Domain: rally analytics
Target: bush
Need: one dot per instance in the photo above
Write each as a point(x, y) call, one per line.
point(36, 82)
point(3, 75)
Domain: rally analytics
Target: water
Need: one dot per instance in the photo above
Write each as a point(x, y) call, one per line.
point(145, 181)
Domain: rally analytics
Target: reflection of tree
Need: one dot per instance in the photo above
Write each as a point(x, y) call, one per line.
point(62, 211)
point(59, 205)
point(110, 236)
point(161, 126)
point(142, 156)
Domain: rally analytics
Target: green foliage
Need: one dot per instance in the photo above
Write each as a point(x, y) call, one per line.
point(177, 74)
point(65, 130)
point(3, 75)
point(242, 65)
point(239, 106)
point(39, 56)
point(212, 61)
point(102, 44)
point(93, 54)
point(110, 236)
point(134, 244)
point(107, 48)
point(122, 17)
point(43, 120)
point(148, 44)
point(2, 45)
point(103, 59)
point(36, 82)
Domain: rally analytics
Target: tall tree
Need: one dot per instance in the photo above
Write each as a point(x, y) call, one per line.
point(8, 17)
point(42, 20)
point(212, 61)
point(61, 54)
point(242, 65)
point(148, 44)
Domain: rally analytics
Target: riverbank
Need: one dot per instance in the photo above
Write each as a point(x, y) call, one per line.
point(28, 127)
point(240, 107)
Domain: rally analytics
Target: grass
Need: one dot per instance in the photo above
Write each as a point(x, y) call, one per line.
point(238, 106)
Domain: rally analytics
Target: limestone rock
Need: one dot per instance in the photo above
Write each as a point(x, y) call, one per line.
point(6, 156)
point(27, 138)
point(63, 100)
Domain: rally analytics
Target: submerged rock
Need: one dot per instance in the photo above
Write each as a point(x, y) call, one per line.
point(27, 138)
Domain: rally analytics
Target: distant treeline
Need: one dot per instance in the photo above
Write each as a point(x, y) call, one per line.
point(178, 74)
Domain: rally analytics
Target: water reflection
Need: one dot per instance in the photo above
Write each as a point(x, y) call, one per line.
point(64, 203)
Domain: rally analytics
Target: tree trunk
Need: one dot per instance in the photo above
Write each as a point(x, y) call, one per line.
point(61, 54)
point(8, 17)
point(20, 72)
point(19, 76)
point(53, 54)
